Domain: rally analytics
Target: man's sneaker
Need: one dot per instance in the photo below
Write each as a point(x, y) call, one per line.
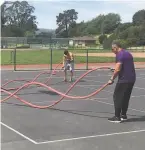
point(70, 80)
point(123, 117)
point(115, 119)
point(65, 80)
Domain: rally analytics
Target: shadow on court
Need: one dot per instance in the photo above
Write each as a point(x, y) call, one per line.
point(138, 119)
point(48, 92)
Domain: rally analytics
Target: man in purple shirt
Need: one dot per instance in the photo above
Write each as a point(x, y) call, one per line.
point(125, 71)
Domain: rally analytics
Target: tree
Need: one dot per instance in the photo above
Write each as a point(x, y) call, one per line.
point(142, 32)
point(123, 34)
point(4, 17)
point(45, 35)
point(12, 31)
point(108, 41)
point(102, 38)
point(139, 18)
point(110, 23)
point(102, 24)
point(95, 26)
point(124, 26)
point(18, 15)
point(66, 20)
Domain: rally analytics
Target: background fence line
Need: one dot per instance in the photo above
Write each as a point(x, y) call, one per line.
point(48, 52)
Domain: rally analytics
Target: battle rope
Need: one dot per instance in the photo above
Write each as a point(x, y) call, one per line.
point(56, 91)
point(34, 79)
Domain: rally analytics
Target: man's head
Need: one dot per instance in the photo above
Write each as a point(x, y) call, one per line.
point(66, 52)
point(116, 47)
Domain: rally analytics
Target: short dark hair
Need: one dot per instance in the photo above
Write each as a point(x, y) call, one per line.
point(117, 43)
point(66, 52)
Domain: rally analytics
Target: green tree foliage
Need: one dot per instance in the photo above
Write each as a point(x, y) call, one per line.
point(108, 41)
point(102, 24)
point(65, 22)
point(18, 18)
point(123, 26)
point(130, 34)
point(102, 38)
point(111, 22)
point(139, 18)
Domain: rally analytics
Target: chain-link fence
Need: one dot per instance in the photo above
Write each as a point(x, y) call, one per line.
point(46, 53)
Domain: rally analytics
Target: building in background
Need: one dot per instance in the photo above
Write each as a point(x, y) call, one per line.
point(83, 41)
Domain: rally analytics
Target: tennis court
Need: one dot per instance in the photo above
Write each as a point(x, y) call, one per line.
point(72, 124)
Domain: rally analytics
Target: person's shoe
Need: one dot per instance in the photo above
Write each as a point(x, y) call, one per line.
point(115, 119)
point(71, 80)
point(123, 117)
point(65, 80)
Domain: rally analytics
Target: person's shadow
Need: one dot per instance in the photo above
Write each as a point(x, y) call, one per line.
point(139, 119)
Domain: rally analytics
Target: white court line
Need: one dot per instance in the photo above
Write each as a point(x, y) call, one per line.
point(78, 70)
point(101, 85)
point(53, 77)
point(139, 88)
point(93, 99)
point(140, 78)
point(86, 86)
point(93, 136)
point(80, 100)
point(113, 105)
point(96, 100)
point(134, 86)
point(101, 98)
point(109, 91)
point(46, 70)
point(78, 76)
point(139, 96)
point(22, 135)
point(94, 88)
point(87, 137)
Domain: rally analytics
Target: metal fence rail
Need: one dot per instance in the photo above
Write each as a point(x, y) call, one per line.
point(46, 53)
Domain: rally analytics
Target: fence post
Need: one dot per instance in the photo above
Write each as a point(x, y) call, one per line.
point(51, 58)
point(87, 61)
point(15, 59)
point(50, 38)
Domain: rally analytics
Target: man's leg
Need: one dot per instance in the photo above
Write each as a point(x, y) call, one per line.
point(118, 98)
point(71, 76)
point(71, 71)
point(65, 75)
point(65, 72)
point(126, 99)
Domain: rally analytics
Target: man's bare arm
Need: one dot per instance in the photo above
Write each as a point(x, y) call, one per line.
point(116, 71)
point(63, 59)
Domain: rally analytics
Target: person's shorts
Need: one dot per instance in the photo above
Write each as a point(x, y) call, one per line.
point(69, 65)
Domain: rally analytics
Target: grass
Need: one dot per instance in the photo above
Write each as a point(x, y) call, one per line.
point(44, 57)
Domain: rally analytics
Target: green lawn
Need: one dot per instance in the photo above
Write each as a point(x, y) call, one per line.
point(44, 57)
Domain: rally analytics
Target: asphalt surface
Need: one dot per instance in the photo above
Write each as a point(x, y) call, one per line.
point(71, 124)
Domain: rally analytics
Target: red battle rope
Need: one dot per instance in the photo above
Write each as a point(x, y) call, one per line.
point(63, 95)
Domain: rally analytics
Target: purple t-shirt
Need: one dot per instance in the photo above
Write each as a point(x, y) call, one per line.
point(127, 73)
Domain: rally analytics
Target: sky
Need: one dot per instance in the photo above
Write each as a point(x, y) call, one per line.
point(46, 11)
